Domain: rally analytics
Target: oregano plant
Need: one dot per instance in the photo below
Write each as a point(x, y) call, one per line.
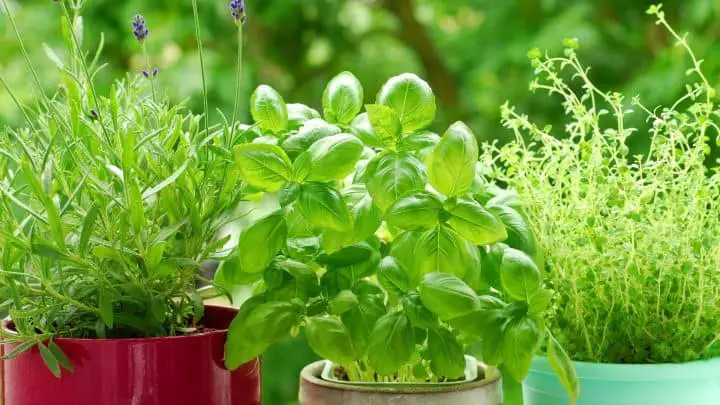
point(387, 245)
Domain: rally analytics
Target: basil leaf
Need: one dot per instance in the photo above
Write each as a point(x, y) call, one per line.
point(299, 114)
point(391, 175)
point(256, 327)
point(363, 129)
point(392, 277)
point(385, 124)
point(343, 302)
point(353, 254)
point(446, 354)
point(491, 263)
point(476, 224)
point(422, 143)
point(420, 316)
point(441, 250)
point(447, 296)
point(451, 166)
point(412, 99)
point(485, 315)
point(263, 166)
point(325, 207)
point(343, 98)
point(312, 131)
point(392, 343)
point(520, 235)
point(519, 343)
point(563, 367)
point(259, 243)
point(329, 338)
point(307, 284)
point(418, 210)
point(268, 109)
point(360, 321)
point(334, 157)
point(403, 250)
point(519, 275)
point(365, 216)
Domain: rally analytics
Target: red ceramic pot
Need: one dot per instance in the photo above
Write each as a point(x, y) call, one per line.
point(182, 370)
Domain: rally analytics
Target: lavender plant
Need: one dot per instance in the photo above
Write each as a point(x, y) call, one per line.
point(109, 205)
point(632, 243)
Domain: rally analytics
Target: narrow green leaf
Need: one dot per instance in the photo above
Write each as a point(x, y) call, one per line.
point(49, 359)
point(105, 304)
point(61, 356)
point(19, 349)
point(87, 229)
point(563, 367)
point(168, 181)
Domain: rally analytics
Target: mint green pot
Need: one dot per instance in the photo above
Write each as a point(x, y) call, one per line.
point(695, 383)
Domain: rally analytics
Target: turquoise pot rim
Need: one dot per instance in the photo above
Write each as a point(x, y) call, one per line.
point(694, 370)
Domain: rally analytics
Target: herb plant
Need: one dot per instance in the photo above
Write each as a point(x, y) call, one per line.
point(632, 242)
point(386, 245)
point(109, 205)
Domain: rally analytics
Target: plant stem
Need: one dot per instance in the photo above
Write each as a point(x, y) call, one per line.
point(196, 17)
point(151, 77)
point(239, 74)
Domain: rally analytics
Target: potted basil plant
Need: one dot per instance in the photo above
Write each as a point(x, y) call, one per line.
point(632, 241)
point(388, 249)
point(105, 222)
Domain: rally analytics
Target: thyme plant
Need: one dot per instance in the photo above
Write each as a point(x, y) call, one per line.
point(632, 243)
point(385, 246)
point(109, 204)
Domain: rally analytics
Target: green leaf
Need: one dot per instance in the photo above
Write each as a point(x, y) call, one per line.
point(392, 343)
point(365, 215)
point(486, 315)
point(19, 349)
point(440, 250)
point(105, 304)
point(334, 157)
point(363, 129)
point(307, 284)
point(263, 166)
point(412, 99)
point(330, 339)
point(447, 296)
point(385, 124)
point(519, 343)
point(343, 302)
point(392, 277)
point(403, 250)
point(492, 342)
point(343, 98)
point(519, 275)
point(360, 321)
point(392, 175)
point(563, 367)
point(299, 114)
point(302, 166)
point(415, 211)
point(60, 356)
point(49, 359)
point(87, 228)
point(311, 132)
point(451, 166)
point(256, 327)
point(324, 207)
point(259, 243)
point(520, 235)
point(165, 183)
point(420, 316)
point(49, 251)
point(268, 109)
point(353, 254)
point(446, 354)
point(539, 302)
point(422, 143)
point(492, 263)
point(474, 223)
point(154, 255)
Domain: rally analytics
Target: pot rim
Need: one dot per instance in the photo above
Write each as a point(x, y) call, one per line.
point(700, 369)
point(7, 328)
point(311, 375)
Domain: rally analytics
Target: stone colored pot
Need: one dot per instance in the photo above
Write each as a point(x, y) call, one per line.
point(316, 391)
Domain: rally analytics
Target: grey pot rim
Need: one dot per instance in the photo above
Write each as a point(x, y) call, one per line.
point(311, 375)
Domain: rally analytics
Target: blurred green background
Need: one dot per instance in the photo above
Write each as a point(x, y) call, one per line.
point(473, 52)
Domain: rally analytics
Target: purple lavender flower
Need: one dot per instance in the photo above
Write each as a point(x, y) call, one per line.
point(237, 10)
point(140, 31)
